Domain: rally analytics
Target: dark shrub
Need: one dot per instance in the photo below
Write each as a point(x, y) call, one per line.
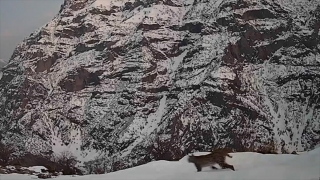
point(6, 152)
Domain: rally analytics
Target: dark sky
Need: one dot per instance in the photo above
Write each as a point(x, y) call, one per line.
point(19, 18)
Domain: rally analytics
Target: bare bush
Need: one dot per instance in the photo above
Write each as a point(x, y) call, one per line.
point(66, 158)
point(6, 153)
point(99, 170)
point(64, 162)
point(165, 149)
point(160, 150)
point(269, 148)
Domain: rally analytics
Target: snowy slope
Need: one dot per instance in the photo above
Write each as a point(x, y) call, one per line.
point(126, 82)
point(249, 166)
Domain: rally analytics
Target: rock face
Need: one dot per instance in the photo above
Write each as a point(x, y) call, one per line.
point(136, 80)
point(2, 64)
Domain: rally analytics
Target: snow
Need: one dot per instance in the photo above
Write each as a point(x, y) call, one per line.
point(223, 73)
point(165, 15)
point(248, 166)
point(176, 61)
point(149, 126)
point(107, 4)
point(74, 147)
point(155, 118)
point(37, 168)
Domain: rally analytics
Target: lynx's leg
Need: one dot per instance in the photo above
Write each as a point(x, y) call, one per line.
point(198, 167)
point(213, 167)
point(225, 165)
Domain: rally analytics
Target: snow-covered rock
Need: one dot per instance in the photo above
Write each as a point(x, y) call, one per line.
point(136, 80)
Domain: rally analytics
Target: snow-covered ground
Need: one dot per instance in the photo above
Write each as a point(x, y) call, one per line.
point(36, 169)
point(249, 166)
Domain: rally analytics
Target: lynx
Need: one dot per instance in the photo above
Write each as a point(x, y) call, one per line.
point(215, 157)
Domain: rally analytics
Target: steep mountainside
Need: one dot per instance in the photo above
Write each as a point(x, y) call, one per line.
point(135, 80)
point(2, 63)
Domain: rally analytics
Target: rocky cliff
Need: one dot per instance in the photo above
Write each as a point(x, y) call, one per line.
point(136, 80)
point(2, 64)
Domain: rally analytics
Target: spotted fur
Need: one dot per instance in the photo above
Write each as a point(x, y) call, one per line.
point(216, 157)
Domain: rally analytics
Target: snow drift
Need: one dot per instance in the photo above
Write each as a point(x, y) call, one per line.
point(248, 165)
